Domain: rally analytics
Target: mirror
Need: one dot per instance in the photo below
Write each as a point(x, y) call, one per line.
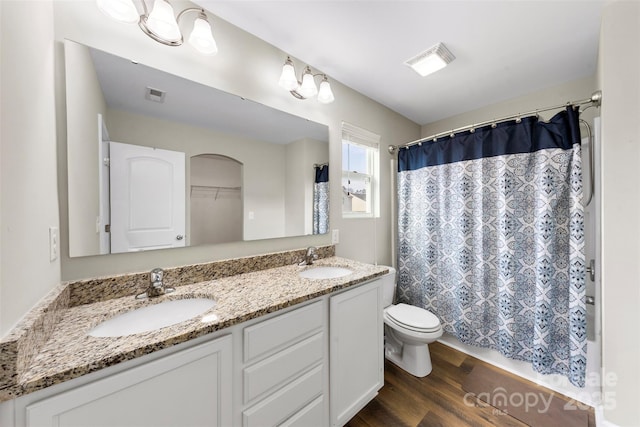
point(145, 148)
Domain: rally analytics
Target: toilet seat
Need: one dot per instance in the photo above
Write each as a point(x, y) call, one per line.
point(413, 318)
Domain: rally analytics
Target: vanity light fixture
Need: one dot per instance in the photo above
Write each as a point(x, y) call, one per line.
point(161, 24)
point(431, 60)
point(307, 87)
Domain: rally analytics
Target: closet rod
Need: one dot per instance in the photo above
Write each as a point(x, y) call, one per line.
point(214, 187)
point(595, 101)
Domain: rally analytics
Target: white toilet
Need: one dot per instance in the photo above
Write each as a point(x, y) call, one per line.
point(407, 331)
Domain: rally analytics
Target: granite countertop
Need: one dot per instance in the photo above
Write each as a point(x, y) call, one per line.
point(69, 352)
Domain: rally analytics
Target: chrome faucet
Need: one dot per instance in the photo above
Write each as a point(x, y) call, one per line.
point(156, 285)
point(310, 256)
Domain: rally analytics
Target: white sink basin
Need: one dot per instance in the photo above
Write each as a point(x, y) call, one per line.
point(324, 272)
point(152, 317)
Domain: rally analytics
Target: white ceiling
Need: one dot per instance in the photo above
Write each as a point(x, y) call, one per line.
point(503, 49)
point(124, 84)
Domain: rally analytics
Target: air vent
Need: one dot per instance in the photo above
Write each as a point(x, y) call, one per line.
point(431, 60)
point(155, 95)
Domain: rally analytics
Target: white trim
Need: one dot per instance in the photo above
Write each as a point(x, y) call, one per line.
point(359, 136)
point(370, 141)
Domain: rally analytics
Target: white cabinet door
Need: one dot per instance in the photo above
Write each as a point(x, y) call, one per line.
point(355, 350)
point(147, 198)
point(189, 388)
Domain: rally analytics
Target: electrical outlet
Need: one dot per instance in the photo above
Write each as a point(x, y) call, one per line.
point(53, 243)
point(335, 237)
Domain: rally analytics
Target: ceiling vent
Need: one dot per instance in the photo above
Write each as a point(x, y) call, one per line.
point(155, 95)
point(431, 60)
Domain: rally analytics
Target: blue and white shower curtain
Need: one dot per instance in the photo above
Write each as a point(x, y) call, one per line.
point(491, 239)
point(321, 200)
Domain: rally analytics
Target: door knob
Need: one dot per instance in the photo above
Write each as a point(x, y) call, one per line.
point(179, 237)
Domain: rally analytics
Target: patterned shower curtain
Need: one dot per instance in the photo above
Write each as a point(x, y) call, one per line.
point(321, 200)
point(491, 239)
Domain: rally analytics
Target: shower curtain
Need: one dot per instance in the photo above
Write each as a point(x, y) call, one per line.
point(491, 239)
point(321, 200)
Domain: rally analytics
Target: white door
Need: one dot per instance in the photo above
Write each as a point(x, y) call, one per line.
point(147, 198)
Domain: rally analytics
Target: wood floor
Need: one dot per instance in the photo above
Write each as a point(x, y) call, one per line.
point(435, 400)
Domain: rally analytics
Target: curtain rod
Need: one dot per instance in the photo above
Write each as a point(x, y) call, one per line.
point(595, 101)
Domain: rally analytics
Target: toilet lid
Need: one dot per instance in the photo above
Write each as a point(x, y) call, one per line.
point(413, 317)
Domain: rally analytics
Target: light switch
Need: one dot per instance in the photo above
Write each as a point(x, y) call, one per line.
point(53, 243)
point(335, 236)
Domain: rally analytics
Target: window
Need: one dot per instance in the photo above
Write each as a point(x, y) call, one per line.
point(360, 172)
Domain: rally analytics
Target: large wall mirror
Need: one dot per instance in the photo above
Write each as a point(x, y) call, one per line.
point(157, 161)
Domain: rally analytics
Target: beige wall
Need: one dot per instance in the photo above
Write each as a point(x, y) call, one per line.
point(85, 102)
point(619, 78)
point(28, 194)
point(248, 67)
point(294, 198)
point(263, 163)
point(33, 103)
point(556, 95)
point(300, 176)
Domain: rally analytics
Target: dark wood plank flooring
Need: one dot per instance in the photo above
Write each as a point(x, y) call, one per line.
point(435, 400)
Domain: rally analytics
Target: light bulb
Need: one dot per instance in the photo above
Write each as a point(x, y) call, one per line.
point(201, 37)
point(162, 22)
point(288, 79)
point(308, 87)
point(120, 10)
point(430, 64)
point(325, 95)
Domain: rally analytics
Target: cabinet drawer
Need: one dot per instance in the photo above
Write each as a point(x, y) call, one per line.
point(309, 416)
point(281, 331)
point(286, 401)
point(282, 367)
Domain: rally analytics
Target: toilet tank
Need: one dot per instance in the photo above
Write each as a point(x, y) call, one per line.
point(388, 287)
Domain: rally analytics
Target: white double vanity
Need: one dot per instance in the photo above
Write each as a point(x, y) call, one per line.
point(296, 352)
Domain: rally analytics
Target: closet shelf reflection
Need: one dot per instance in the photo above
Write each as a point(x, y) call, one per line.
point(207, 191)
